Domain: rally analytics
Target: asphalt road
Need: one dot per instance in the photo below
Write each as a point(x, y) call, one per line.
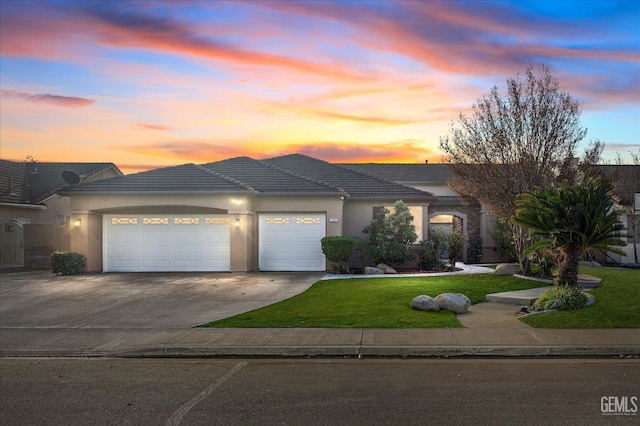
point(42, 391)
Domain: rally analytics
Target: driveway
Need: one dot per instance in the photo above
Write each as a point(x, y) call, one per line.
point(140, 300)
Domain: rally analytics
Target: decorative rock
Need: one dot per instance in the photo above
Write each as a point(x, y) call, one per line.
point(505, 269)
point(371, 270)
point(425, 303)
point(387, 269)
point(455, 302)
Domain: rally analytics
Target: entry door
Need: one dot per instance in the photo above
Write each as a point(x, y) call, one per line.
point(291, 242)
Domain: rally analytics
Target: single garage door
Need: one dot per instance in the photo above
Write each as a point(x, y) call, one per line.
point(291, 242)
point(148, 243)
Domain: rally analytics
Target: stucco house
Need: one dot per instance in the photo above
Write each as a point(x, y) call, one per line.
point(33, 218)
point(239, 214)
point(476, 218)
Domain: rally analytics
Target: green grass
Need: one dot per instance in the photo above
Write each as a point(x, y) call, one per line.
point(373, 303)
point(617, 304)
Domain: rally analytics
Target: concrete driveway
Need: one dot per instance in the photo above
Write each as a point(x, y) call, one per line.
point(140, 300)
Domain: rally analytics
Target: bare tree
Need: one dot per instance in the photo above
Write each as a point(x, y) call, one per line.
point(513, 143)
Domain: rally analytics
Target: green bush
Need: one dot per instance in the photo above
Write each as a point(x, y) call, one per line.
point(456, 241)
point(563, 298)
point(338, 250)
point(66, 263)
point(390, 235)
point(431, 250)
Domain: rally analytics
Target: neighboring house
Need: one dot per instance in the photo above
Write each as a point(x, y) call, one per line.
point(626, 179)
point(238, 214)
point(33, 218)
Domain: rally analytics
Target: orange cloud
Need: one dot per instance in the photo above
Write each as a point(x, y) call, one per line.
point(66, 101)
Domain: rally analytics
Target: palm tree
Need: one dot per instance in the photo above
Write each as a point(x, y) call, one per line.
point(572, 219)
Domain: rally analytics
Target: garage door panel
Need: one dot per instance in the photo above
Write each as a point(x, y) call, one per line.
point(125, 265)
point(291, 242)
point(146, 243)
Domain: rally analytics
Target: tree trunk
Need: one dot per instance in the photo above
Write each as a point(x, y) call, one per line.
point(522, 240)
point(568, 267)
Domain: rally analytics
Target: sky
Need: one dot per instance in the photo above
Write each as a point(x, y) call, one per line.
point(150, 83)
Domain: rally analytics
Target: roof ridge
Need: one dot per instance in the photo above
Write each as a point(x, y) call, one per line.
point(225, 177)
point(301, 176)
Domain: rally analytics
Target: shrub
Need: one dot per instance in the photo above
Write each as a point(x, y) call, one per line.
point(456, 240)
point(474, 253)
point(563, 298)
point(66, 263)
point(338, 250)
point(543, 261)
point(503, 240)
point(431, 250)
point(390, 235)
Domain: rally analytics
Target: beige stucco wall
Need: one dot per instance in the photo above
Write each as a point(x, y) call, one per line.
point(52, 211)
point(87, 239)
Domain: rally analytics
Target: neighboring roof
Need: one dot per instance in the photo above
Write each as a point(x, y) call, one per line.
point(356, 183)
point(625, 177)
point(34, 182)
point(405, 172)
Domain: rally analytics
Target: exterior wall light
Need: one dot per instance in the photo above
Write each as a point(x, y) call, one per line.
point(77, 223)
point(237, 223)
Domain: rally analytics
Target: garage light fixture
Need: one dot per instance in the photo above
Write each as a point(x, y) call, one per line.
point(77, 223)
point(237, 223)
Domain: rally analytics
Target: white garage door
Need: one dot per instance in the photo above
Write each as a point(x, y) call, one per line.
point(291, 242)
point(147, 243)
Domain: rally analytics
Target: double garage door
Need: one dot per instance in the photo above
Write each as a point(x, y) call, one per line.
point(149, 243)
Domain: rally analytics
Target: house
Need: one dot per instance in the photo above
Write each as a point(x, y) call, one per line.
point(33, 218)
point(239, 214)
point(448, 210)
point(477, 220)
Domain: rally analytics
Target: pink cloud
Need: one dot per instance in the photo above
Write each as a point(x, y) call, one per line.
point(66, 101)
point(153, 126)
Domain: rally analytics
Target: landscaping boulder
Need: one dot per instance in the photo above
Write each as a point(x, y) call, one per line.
point(505, 269)
point(455, 302)
point(371, 270)
point(425, 303)
point(387, 269)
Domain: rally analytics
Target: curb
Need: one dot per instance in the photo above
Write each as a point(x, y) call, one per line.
point(345, 352)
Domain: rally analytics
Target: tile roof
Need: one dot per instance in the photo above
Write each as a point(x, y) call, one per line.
point(291, 174)
point(168, 180)
point(33, 182)
point(267, 178)
point(405, 172)
point(354, 182)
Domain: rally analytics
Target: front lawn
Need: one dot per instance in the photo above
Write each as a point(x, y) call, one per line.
point(617, 304)
point(373, 303)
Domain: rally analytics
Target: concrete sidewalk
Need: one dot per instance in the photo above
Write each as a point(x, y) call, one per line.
point(301, 342)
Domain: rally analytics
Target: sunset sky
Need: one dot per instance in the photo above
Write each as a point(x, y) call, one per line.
point(150, 83)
